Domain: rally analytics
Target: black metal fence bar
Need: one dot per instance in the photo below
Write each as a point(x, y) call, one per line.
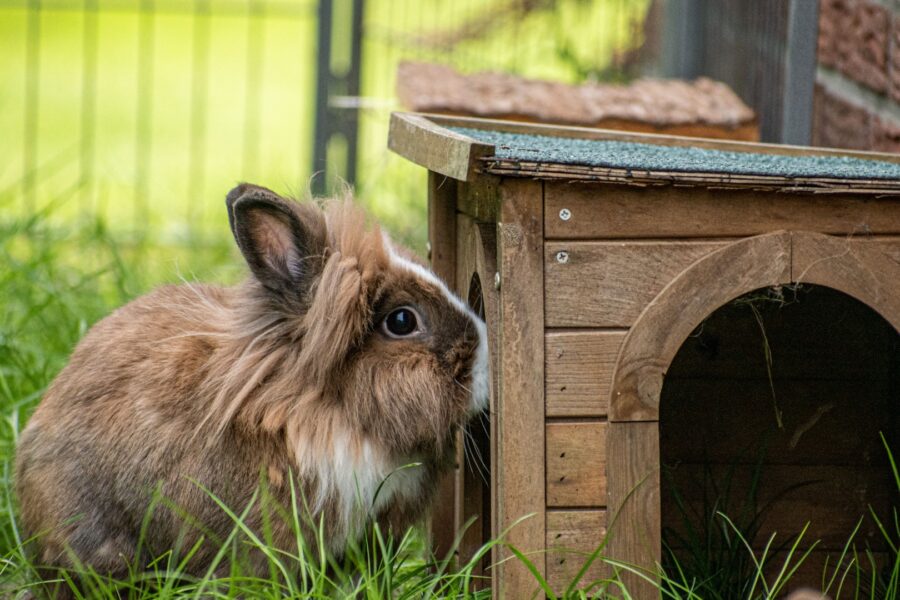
point(144, 109)
point(199, 100)
point(32, 97)
point(90, 111)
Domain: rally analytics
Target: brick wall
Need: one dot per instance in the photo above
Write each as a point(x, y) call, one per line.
point(857, 96)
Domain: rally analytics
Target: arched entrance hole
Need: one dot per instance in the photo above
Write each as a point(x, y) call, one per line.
point(771, 413)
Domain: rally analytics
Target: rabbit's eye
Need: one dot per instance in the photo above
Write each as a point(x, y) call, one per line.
point(400, 322)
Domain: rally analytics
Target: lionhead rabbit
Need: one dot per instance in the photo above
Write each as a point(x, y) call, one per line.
point(339, 361)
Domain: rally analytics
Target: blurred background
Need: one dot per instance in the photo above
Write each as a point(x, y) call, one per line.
point(139, 115)
point(143, 113)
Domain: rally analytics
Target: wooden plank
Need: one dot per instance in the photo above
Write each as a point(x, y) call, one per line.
point(862, 270)
point(434, 147)
point(572, 536)
point(589, 133)
point(824, 421)
point(634, 497)
point(477, 260)
point(480, 199)
point(616, 211)
point(812, 333)
point(444, 521)
point(717, 180)
point(832, 499)
point(442, 194)
point(655, 338)
point(520, 489)
point(608, 284)
point(576, 464)
point(578, 367)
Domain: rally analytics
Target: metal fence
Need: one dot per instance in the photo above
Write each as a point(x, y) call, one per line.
point(765, 50)
point(147, 111)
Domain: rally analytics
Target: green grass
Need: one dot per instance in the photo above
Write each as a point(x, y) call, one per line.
point(58, 280)
point(154, 143)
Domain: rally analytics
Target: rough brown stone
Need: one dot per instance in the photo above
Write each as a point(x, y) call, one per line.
point(885, 135)
point(834, 43)
point(853, 39)
point(428, 87)
point(838, 123)
point(894, 67)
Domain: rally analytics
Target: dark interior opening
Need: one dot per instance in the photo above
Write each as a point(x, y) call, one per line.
point(771, 413)
point(477, 472)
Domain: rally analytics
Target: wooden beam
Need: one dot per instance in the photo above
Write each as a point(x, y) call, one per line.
point(520, 485)
point(673, 314)
point(590, 133)
point(437, 149)
point(576, 464)
point(608, 284)
point(578, 368)
point(572, 536)
point(442, 254)
point(634, 502)
point(606, 211)
point(866, 270)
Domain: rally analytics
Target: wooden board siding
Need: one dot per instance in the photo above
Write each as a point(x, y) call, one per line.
point(572, 536)
point(601, 211)
point(519, 477)
point(634, 516)
point(443, 251)
point(576, 464)
point(608, 284)
point(793, 495)
point(578, 367)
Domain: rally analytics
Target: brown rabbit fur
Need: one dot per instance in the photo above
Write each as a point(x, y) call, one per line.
point(292, 373)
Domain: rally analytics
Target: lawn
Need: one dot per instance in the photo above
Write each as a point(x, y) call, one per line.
point(113, 180)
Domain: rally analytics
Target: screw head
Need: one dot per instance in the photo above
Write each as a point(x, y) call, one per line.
point(565, 214)
point(562, 257)
point(497, 280)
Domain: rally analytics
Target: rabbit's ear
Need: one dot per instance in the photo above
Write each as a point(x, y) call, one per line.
point(278, 245)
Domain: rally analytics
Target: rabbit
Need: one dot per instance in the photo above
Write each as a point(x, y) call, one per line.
point(338, 372)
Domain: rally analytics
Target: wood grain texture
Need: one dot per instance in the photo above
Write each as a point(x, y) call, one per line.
point(634, 497)
point(572, 536)
point(830, 499)
point(658, 333)
point(865, 271)
point(520, 485)
point(812, 332)
point(608, 284)
point(578, 367)
point(476, 497)
point(576, 464)
point(444, 521)
point(618, 211)
point(480, 199)
point(437, 149)
point(824, 421)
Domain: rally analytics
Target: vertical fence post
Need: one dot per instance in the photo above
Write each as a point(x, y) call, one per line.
point(199, 99)
point(32, 96)
point(252, 91)
point(88, 99)
point(144, 110)
point(799, 72)
point(331, 82)
point(683, 40)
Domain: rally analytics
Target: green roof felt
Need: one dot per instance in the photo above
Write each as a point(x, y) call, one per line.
point(652, 157)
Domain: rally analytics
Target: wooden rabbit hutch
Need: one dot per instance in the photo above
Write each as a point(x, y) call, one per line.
point(664, 310)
